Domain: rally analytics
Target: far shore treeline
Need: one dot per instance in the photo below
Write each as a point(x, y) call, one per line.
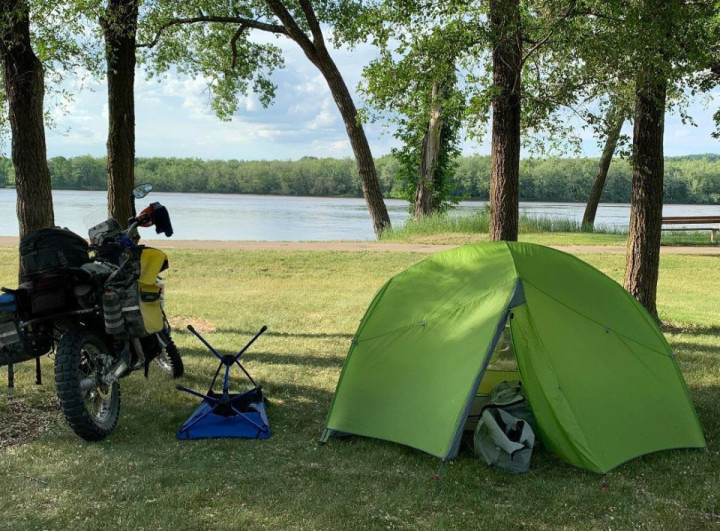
point(688, 179)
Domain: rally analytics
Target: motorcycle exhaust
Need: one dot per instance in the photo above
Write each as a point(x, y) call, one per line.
point(87, 383)
point(111, 377)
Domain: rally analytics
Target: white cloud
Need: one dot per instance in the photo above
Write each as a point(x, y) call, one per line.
point(174, 118)
point(327, 117)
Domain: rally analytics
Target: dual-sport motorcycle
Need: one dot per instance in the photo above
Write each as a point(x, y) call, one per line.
point(98, 307)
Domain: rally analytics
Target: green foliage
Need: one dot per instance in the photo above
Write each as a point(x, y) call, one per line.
point(63, 41)
point(635, 44)
point(233, 64)
point(689, 179)
point(409, 159)
point(7, 172)
point(414, 76)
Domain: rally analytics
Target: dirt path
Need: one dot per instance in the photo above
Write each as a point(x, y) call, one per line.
point(378, 247)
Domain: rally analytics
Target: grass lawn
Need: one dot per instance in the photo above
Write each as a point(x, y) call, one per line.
point(142, 477)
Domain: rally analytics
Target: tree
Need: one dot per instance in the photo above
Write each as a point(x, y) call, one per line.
point(507, 61)
point(428, 119)
point(493, 43)
point(437, 153)
point(643, 253)
point(414, 85)
point(614, 121)
point(24, 86)
point(298, 22)
point(119, 24)
point(662, 62)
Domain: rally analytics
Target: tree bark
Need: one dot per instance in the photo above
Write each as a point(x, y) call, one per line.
point(25, 89)
point(316, 51)
point(643, 251)
point(425, 202)
point(615, 123)
point(120, 28)
point(360, 146)
point(505, 148)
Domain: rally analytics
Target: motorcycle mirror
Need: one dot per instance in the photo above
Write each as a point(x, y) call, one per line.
point(141, 190)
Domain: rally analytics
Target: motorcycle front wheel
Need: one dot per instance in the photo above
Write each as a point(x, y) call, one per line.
point(91, 407)
point(169, 359)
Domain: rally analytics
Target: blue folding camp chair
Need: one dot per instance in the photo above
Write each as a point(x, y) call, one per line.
point(227, 414)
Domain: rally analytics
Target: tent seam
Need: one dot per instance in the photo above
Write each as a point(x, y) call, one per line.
point(587, 447)
point(469, 302)
point(376, 300)
point(620, 334)
point(462, 419)
point(646, 316)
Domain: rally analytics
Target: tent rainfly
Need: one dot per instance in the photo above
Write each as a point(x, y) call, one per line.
point(598, 373)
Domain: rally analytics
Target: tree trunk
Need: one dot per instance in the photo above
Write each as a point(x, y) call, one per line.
point(615, 123)
point(505, 149)
point(425, 202)
point(643, 251)
point(25, 89)
point(120, 27)
point(316, 51)
point(360, 146)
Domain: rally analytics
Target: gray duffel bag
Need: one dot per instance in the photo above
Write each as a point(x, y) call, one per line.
point(504, 441)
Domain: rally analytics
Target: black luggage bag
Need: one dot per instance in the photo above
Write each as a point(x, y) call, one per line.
point(51, 249)
point(15, 345)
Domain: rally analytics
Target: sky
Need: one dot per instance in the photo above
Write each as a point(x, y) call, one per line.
point(174, 119)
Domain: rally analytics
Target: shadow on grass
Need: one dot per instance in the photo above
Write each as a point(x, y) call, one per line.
point(688, 347)
point(688, 339)
point(305, 360)
point(700, 330)
point(247, 334)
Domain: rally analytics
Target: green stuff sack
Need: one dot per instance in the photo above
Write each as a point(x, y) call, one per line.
point(504, 441)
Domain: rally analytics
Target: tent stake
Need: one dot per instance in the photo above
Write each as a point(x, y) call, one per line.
point(437, 476)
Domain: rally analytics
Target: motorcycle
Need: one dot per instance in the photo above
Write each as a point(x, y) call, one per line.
point(99, 307)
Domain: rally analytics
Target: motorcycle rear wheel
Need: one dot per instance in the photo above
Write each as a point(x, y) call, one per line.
point(92, 413)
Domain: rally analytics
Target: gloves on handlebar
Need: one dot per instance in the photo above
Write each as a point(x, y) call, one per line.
point(145, 219)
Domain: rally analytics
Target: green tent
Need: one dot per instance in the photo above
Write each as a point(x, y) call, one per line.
point(599, 375)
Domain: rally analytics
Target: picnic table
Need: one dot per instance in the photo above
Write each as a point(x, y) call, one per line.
point(694, 220)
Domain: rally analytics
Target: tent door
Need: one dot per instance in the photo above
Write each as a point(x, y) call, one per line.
point(517, 298)
point(501, 367)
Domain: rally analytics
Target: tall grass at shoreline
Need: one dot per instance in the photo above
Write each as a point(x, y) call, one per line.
point(538, 229)
point(479, 223)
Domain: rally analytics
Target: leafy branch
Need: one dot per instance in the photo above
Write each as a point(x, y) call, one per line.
point(202, 18)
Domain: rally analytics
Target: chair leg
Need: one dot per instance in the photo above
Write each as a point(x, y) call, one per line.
point(251, 421)
point(11, 376)
point(187, 428)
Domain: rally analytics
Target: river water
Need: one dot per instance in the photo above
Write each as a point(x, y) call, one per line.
point(281, 218)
